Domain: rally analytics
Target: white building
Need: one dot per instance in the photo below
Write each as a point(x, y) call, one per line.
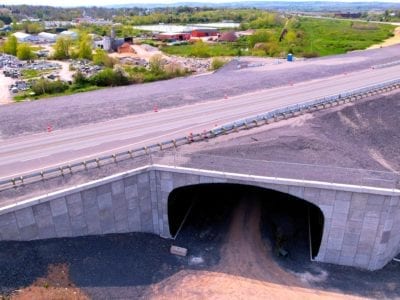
point(24, 37)
point(47, 37)
point(71, 34)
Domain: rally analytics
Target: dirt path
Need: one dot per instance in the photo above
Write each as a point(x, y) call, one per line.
point(245, 253)
point(65, 73)
point(5, 94)
point(246, 270)
point(390, 41)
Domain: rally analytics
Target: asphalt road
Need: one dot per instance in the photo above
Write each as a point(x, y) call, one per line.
point(38, 151)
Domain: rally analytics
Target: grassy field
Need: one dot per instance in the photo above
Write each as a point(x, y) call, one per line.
point(327, 37)
point(29, 74)
point(73, 89)
point(204, 50)
point(305, 37)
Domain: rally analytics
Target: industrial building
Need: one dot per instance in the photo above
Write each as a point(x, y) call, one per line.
point(25, 38)
point(47, 37)
point(71, 34)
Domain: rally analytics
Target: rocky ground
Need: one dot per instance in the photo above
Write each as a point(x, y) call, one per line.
point(105, 104)
point(363, 135)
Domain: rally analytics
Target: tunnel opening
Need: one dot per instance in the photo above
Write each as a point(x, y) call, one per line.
point(291, 225)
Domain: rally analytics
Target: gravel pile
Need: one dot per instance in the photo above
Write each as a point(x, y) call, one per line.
point(363, 135)
point(196, 65)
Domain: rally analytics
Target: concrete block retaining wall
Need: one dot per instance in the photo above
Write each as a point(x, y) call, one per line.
point(361, 224)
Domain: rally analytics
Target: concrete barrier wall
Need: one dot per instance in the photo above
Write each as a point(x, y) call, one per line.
point(118, 204)
point(362, 225)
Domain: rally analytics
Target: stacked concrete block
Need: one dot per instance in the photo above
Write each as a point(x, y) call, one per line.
point(76, 214)
point(44, 221)
point(361, 227)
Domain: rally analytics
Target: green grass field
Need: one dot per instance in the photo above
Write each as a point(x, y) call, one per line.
point(327, 37)
point(306, 37)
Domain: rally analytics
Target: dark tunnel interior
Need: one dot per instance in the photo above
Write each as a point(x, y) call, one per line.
point(288, 222)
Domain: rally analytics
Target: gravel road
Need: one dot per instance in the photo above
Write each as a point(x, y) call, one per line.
point(68, 111)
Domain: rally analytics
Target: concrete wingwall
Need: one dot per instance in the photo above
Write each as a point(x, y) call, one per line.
point(361, 224)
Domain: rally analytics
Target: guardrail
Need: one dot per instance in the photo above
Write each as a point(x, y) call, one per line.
point(247, 123)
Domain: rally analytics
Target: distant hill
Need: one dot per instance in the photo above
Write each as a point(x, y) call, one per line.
point(276, 5)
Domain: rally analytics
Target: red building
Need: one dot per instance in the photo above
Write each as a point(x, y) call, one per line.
point(172, 36)
point(198, 33)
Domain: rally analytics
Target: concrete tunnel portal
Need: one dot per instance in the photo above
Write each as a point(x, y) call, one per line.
point(287, 222)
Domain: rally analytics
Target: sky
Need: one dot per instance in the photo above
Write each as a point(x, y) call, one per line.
point(108, 2)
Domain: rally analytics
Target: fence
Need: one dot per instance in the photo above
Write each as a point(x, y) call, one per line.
point(254, 121)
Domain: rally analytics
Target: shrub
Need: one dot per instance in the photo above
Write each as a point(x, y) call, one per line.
point(310, 54)
point(101, 58)
point(217, 63)
point(109, 77)
point(156, 64)
point(174, 69)
point(11, 45)
point(80, 79)
point(24, 52)
point(200, 49)
point(44, 86)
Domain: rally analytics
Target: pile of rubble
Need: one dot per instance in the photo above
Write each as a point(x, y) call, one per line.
point(134, 61)
point(194, 65)
point(20, 85)
point(12, 66)
point(85, 67)
point(41, 65)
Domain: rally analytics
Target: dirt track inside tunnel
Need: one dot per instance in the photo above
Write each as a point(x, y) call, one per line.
point(247, 268)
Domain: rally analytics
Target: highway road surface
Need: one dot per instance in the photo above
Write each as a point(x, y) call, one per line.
point(32, 153)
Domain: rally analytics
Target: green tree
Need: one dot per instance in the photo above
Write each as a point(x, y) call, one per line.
point(260, 36)
point(291, 37)
point(85, 47)
point(6, 18)
point(33, 28)
point(62, 48)
point(24, 52)
point(11, 45)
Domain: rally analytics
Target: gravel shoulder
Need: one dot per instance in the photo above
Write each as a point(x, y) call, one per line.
point(105, 104)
